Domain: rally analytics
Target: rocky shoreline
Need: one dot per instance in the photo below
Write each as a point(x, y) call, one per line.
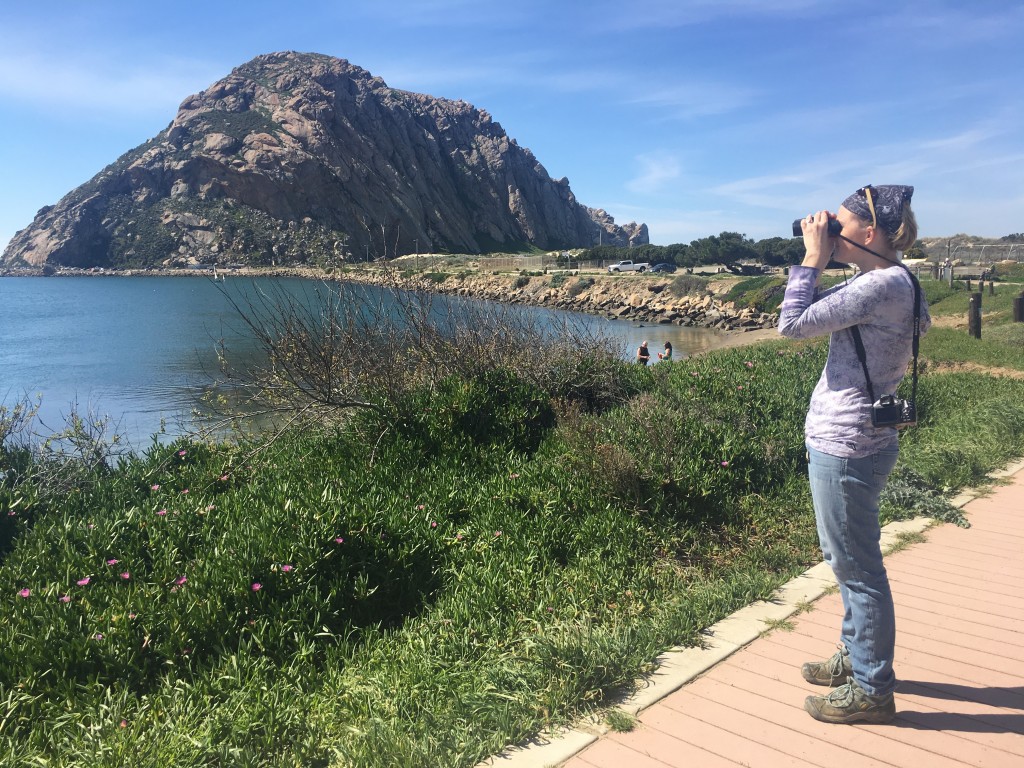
point(645, 299)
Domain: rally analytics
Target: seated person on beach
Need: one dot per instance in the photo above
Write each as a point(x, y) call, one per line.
point(643, 355)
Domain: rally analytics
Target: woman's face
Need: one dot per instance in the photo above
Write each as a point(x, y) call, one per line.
point(855, 229)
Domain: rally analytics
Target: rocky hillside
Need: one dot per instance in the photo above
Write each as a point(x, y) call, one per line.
point(302, 158)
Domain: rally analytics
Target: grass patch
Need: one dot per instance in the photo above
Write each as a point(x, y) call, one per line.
point(499, 560)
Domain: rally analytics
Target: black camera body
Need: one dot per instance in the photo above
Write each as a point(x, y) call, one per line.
point(891, 411)
point(834, 228)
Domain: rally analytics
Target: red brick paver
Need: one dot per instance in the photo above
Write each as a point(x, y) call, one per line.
point(959, 659)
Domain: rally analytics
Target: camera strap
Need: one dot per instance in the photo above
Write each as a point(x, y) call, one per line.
point(915, 346)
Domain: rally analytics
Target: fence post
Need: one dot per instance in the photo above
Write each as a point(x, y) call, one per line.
point(935, 271)
point(950, 276)
point(1018, 308)
point(991, 288)
point(974, 316)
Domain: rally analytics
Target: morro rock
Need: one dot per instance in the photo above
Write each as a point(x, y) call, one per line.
point(303, 158)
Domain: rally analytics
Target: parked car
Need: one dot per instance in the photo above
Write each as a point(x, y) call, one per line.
point(629, 266)
point(663, 267)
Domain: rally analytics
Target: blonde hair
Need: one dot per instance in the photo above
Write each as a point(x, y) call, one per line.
point(906, 235)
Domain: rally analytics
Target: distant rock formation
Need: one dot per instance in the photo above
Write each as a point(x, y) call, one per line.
point(302, 158)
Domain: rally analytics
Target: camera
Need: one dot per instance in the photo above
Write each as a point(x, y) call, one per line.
point(834, 228)
point(890, 411)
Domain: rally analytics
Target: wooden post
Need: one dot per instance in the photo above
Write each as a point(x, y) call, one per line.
point(974, 316)
point(968, 285)
point(991, 288)
point(950, 276)
point(1018, 308)
point(935, 271)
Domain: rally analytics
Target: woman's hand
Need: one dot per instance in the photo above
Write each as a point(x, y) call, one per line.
point(816, 240)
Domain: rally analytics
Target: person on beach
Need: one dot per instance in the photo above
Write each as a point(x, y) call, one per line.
point(643, 355)
point(667, 354)
point(849, 459)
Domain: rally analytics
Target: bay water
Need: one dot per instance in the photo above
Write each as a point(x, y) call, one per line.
point(142, 349)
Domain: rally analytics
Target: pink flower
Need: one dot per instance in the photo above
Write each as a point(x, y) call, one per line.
point(749, 364)
point(126, 575)
point(223, 478)
point(65, 598)
point(180, 580)
point(124, 723)
point(25, 593)
point(433, 524)
point(256, 586)
point(458, 537)
point(184, 490)
point(154, 487)
point(83, 582)
point(161, 512)
point(132, 615)
point(112, 561)
point(181, 453)
point(497, 534)
point(514, 475)
point(419, 506)
point(12, 513)
point(210, 507)
point(725, 463)
point(98, 636)
point(287, 568)
point(338, 540)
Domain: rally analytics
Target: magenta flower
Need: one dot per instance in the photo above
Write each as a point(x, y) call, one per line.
point(25, 593)
point(287, 568)
point(161, 512)
point(155, 487)
point(223, 478)
point(339, 540)
point(83, 582)
point(180, 580)
point(124, 723)
point(433, 524)
point(256, 586)
point(126, 575)
point(181, 453)
point(725, 463)
point(98, 636)
point(12, 513)
point(65, 598)
point(112, 561)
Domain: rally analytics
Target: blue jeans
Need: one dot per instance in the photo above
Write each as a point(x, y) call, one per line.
point(845, 494)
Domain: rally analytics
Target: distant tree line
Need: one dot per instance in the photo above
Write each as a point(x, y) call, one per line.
point(727, 249)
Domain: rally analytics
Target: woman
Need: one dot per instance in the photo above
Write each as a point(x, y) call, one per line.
point(667, 354)
point(849, 459)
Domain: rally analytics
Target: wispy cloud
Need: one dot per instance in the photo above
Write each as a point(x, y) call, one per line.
point(99, 89)
point(655, 173)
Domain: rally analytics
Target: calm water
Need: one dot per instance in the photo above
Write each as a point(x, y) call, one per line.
point(141, 349)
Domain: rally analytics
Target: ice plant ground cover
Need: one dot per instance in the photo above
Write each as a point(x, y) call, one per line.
point(494, 562)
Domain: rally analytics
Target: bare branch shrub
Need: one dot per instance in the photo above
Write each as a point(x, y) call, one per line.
point(332, 348)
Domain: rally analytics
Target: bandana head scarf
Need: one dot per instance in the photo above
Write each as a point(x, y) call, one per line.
point(888, 201)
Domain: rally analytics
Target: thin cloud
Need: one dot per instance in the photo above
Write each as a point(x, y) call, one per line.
point(655, 174)
point(108, 91)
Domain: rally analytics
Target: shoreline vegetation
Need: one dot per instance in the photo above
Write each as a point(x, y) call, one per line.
point(481, 546)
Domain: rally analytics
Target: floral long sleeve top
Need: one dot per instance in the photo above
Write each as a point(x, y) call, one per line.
point(881, 302)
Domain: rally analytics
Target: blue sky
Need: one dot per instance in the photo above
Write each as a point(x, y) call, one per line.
point(694, 116)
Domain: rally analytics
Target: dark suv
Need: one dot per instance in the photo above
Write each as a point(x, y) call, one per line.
point(663, 267)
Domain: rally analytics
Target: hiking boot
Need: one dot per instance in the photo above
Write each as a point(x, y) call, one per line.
point(850, 704)
point(831, 672)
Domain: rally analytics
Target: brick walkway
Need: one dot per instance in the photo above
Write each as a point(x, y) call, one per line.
point(959, 659)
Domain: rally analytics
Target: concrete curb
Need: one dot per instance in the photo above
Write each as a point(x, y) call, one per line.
point(678, 666)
